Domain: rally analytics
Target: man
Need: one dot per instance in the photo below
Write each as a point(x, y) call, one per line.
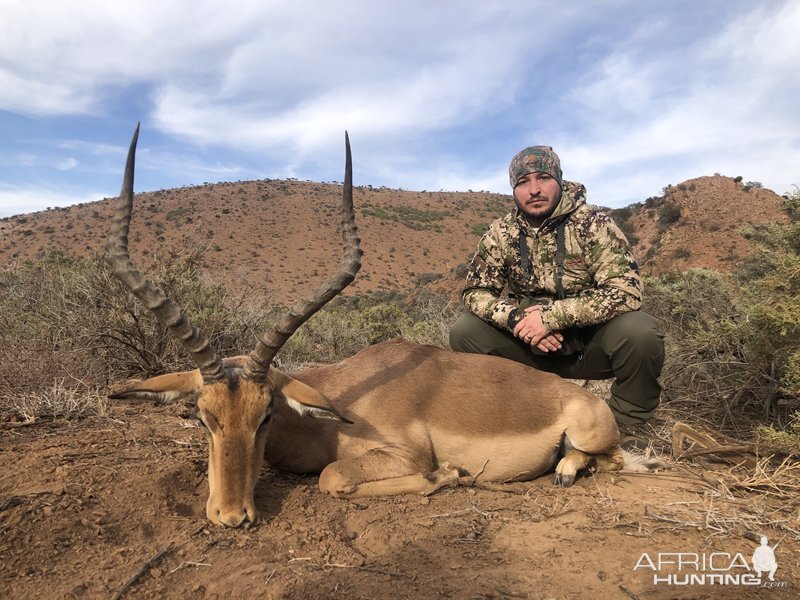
point(581, 319)
point(764, 559)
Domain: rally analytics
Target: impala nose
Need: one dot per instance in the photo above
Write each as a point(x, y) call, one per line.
point(237, 518)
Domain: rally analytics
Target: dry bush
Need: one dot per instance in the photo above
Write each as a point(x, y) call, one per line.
point(733, 342)
point(346, 326)
point(59, 400)
point(70, 319)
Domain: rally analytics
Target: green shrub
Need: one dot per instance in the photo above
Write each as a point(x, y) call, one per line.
point(479, 229)
point(668, 214)
point(791, 204)
point(411, 217)
point(621, 217)
point(786, 440)
point(733, 343)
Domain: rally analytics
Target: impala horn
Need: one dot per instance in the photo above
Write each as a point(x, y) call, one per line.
point(167, 312)
point(257, 366)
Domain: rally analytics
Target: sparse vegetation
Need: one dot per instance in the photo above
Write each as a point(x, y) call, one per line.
point(784, 441)
point(411, 217)
point(734, 342)
point(622, 217)
point(69, 321)
point(732, 356)
point(791, 204)
point(668, 214)
point(479, 229)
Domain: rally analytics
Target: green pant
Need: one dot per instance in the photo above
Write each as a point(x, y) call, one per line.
point(628, 348)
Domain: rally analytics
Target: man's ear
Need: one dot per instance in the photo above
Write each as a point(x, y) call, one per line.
point(302, 398)
point(163, 389)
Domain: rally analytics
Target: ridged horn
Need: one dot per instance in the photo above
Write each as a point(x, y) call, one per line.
point(166, 311)
point(260, 359)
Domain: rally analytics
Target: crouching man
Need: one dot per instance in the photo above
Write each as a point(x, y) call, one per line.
point(574, 293)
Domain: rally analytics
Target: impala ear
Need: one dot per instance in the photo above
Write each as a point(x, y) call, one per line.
point(303, 399)
point(163, 389)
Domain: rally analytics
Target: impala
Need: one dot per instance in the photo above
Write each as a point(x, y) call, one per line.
point(395, 418)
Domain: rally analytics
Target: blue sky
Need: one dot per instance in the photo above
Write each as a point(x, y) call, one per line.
point(633, 94)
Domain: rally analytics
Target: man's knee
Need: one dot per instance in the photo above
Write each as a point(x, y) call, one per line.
point(459, 334)
point(472, 334)
point(639, 331)
point(465, 334)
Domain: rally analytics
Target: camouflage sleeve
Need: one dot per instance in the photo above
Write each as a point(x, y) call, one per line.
point(617, 284)
point(486, 278)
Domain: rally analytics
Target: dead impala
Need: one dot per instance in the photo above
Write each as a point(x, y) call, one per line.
point(395, 418)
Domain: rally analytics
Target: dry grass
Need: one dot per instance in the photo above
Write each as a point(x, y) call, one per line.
point(59, 400)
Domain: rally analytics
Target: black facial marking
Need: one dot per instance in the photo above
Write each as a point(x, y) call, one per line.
point(233, 380)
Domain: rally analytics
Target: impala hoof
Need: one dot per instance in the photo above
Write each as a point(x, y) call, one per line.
point(563, 479)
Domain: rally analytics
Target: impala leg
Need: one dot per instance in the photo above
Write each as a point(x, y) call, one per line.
point(568, 467)
point(382, 472)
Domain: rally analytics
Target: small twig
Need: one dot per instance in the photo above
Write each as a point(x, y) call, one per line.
point(629, 593)
point(188, 563)
point(480, 471)
point(369, 570)
point(149, 564)
point(10, 502)
point(343, 566)
point(716, 450)
point(20, 424)
point(461, 512)
point(512, 594)
point(270, 577)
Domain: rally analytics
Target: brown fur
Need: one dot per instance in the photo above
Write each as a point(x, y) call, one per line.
point(418, 413)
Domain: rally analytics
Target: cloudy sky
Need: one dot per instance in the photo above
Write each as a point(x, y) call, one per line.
point(633, 94)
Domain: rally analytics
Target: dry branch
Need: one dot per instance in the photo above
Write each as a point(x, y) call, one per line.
point(147, 565)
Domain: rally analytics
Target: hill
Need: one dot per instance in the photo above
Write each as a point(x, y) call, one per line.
point(698, 224)
point(276, 237)
point(281, 237)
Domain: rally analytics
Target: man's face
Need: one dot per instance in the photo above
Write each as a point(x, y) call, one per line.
point(537, 195)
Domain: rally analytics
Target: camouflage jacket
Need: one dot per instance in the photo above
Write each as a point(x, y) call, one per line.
point(601, 277)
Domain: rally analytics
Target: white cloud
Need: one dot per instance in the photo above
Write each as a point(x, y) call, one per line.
point(93, 148)
point(632, 97)
point(67, 164)
point(691, 111)
point(15, 201)
point(64, 57)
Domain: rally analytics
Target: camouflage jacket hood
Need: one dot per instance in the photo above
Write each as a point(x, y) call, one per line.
point(601, 278)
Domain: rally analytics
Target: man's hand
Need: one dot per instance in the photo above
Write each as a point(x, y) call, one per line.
point(531, 330)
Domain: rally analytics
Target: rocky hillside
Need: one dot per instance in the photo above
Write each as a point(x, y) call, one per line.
point(281, 237)
point(698, 224)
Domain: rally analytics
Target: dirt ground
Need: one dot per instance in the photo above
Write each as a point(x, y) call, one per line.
point(113, 506)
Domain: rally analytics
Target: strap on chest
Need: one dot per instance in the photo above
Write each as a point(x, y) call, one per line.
point(560, 254)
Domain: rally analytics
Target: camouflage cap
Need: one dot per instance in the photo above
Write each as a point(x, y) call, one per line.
point(535, 159)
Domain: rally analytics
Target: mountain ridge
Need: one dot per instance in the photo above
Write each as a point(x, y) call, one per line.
point(280, 237)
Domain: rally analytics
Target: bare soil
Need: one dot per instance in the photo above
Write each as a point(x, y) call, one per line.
point(113, 506)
